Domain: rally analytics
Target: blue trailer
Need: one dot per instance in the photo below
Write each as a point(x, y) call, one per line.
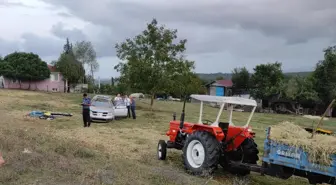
point(283, 161)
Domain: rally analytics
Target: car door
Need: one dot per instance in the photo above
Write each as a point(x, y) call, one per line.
point(120, 109)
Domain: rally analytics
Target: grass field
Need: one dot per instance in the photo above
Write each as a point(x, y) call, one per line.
point(62, 152)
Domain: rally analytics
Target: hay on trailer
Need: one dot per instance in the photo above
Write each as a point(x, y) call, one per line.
point(319, 148)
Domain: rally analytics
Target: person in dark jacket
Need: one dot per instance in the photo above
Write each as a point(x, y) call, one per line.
point(127, 101)
point(86, 110)
point(133, 107)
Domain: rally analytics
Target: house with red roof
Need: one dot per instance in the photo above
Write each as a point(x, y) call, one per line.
point(54, 83)
point(220, 88)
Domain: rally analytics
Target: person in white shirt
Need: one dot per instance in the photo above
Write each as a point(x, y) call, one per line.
point(128, 104)
point(117, 98)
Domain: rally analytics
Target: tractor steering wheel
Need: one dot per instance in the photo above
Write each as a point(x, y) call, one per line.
point(207, 122)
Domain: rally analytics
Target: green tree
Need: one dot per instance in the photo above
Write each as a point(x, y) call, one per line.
point(71, 69)
point(67, 48)
point(240, 79)
point(86, 54)
point(325, 76)
point(185, 81)
point(300, 89)
point(25, 67)
point(106, 89)
point(112, 81)
point(120, 87)
point(92, 87)
point(7, 70)
point(151, 59)
point(267, 80)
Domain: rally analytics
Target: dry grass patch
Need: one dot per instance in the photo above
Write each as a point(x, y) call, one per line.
point(121, 152)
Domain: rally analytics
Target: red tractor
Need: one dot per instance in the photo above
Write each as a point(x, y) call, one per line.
point(207, 144)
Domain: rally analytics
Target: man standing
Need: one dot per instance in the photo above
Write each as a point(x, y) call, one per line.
point(128, 103)
point(117, 98)
point(86, 110)
point(133, 107)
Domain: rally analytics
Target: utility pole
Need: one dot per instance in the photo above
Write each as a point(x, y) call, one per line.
point(98, 84)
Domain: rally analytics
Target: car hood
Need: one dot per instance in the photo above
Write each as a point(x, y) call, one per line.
point(101, 109)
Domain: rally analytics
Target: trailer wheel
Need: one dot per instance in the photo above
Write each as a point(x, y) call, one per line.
point(162, 150)
point(247, 153)
point(250, 151)
point(201, 153)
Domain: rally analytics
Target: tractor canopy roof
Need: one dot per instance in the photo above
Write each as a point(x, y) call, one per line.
point(224, 99)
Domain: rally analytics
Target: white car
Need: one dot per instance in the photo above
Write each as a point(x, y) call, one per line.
point(102, 108)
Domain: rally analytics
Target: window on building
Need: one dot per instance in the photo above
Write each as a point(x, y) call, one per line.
point(54, 76)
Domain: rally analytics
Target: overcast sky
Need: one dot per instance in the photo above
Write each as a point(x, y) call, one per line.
point(222, 34)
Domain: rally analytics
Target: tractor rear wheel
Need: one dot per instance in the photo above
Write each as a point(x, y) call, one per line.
point(246, 153)
point(201, 153)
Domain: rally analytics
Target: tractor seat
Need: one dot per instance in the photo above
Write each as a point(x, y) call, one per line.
point(224, 126)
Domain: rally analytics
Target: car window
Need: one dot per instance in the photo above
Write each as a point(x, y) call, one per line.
point(119, 103)
point(101, 104)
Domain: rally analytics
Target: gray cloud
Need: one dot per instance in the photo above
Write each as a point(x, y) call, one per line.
point(221, 34)
point(73, 34)
point(44, 46)
point(296, 21)
point(7, 47)
point(104, 43)
point(51, 47)
point(14, 4)
point(64, 14)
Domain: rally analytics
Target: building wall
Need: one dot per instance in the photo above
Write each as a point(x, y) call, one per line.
point(212, 90)
point(1, 82)
point(53, 84)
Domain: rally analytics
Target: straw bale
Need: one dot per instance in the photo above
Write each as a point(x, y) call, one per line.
point(319, 148)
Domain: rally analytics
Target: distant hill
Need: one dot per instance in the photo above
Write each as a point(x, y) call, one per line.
point(103, 81)
point(213, 76)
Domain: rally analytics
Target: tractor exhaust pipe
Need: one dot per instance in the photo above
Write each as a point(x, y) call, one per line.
point(183, 113)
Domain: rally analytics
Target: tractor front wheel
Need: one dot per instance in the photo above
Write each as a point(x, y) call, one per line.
point(201, 153)
point(162, 150)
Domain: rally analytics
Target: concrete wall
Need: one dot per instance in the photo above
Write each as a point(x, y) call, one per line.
point(53, 84)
